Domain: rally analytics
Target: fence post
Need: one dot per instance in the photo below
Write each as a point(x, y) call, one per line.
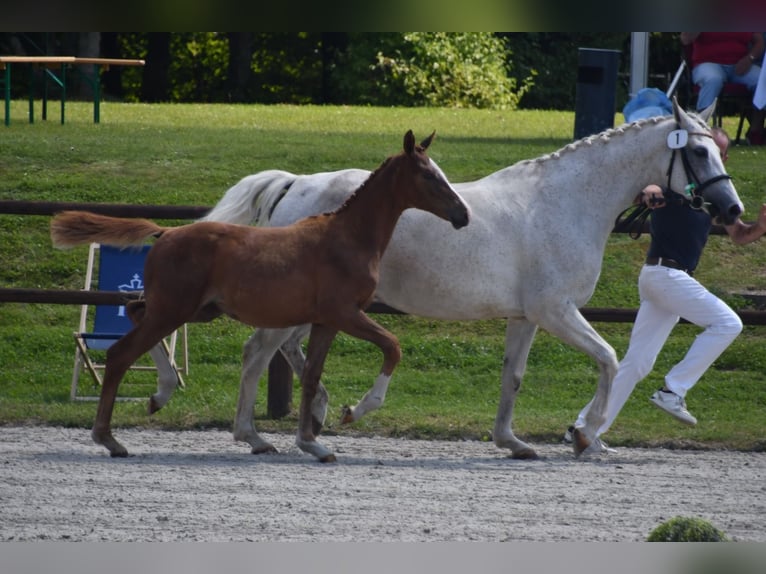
point(280, 390)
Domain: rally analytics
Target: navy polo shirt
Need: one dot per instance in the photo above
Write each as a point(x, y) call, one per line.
point(679, 232)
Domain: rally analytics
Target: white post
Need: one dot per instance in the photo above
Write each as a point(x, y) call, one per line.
point(639, 61)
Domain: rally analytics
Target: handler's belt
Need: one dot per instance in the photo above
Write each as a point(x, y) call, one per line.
point(665, 262)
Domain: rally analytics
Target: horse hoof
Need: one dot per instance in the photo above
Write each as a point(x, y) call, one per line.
point(153, 406)
point(346, 415)
point(579, 442)
point(328, 458)
point(525, 454)
point(265, 449)
point(105, 439)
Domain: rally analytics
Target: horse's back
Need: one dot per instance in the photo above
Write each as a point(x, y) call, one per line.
point(316, 193)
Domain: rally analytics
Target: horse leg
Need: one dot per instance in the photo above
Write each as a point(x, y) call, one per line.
point(256, 353)
point(319, 345)
point(365, 328)
point(519, 335)
point(570, 326)
point(167, 377)
point(293, 354)
point(119, 358)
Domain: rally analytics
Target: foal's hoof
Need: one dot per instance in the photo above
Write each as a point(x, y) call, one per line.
point(579, 442)
point(525, 454)
point(328, 458)
point(105, 439)
point(346, 415)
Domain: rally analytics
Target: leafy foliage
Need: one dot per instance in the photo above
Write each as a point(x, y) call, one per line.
point(458, 70)
point(684, 529)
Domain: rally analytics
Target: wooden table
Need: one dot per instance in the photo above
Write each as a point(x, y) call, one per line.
point(50, 63)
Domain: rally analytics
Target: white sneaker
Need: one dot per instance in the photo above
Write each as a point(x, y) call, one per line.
point(674, 405)
point(598, 447)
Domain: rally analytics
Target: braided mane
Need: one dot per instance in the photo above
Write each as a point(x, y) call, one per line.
point(608, 135)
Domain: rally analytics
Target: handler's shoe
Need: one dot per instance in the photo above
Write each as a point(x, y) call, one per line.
point(598, 447)
point(674, 405)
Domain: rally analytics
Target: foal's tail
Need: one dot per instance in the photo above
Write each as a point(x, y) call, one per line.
point(71, 228)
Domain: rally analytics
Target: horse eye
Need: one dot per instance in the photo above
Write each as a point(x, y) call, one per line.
point(700, 151)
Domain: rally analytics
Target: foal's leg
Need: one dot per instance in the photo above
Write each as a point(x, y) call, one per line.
point(293, 354)
point(519, 335)
point(119, 358)
point(365, 328)
point(319, 344)
point(167, 377)
point(256, 354)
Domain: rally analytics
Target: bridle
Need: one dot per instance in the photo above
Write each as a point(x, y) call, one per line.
point(693, 189)
point(692, 195)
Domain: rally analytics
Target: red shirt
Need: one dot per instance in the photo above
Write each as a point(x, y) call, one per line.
point(720, 47)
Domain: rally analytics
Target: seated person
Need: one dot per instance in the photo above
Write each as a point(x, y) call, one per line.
point(726, 57)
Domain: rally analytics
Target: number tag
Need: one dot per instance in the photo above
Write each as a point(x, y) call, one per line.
point(678, 139)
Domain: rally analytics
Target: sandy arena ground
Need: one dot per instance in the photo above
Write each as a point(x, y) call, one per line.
point(57, 485)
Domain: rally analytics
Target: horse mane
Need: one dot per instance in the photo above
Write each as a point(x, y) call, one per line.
point(608, 135)
point(358, 190)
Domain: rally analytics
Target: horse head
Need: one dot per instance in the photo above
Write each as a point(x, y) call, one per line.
point(433, 191)
point(698, 171)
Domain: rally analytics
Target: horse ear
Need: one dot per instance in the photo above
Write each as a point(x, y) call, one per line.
point(427, 142)
point(677, 112)
point(707, 113)
point(409, 142)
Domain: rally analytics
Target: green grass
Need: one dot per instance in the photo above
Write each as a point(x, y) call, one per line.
point(447, 385)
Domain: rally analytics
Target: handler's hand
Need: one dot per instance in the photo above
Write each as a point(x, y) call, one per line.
point(653, 197)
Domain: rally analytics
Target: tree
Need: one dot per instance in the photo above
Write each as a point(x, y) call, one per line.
point(156, 83)
point(466, 69)
point(240, 65)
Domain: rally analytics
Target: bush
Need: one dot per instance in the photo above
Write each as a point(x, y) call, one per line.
point(683, 529)
point(455, 70)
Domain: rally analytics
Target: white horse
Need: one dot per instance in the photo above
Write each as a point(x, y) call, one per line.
point(532, 253)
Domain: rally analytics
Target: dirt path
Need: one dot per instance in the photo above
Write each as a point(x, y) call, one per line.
point(55, 484)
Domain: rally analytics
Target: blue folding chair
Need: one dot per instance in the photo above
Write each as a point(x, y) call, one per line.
point(118, 270)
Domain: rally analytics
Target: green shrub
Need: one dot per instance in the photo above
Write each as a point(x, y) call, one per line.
point(454, 70)
point(684, 529)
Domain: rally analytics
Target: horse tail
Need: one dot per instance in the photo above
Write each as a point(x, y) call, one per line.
point(252, 200)
point(71, 228)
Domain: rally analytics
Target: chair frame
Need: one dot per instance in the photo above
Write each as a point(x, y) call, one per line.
point(84, 360)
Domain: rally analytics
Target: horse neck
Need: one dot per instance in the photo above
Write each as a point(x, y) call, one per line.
point(372, 212)
point(610, 173)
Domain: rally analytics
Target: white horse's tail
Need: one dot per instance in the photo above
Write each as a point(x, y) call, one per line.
point(252, 199)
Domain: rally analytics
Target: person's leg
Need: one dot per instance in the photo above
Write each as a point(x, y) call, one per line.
point(652, 326)
point(749, 78)
point(710, 78)
point(721, 324)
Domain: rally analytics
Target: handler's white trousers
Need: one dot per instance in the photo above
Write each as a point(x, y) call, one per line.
point(667, 294)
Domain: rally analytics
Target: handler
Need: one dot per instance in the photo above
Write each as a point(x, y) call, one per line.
point(668, 291)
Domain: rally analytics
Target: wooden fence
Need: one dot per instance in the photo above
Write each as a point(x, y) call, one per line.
point(280, 377)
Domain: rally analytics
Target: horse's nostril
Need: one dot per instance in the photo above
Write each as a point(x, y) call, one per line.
point(735, 210)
